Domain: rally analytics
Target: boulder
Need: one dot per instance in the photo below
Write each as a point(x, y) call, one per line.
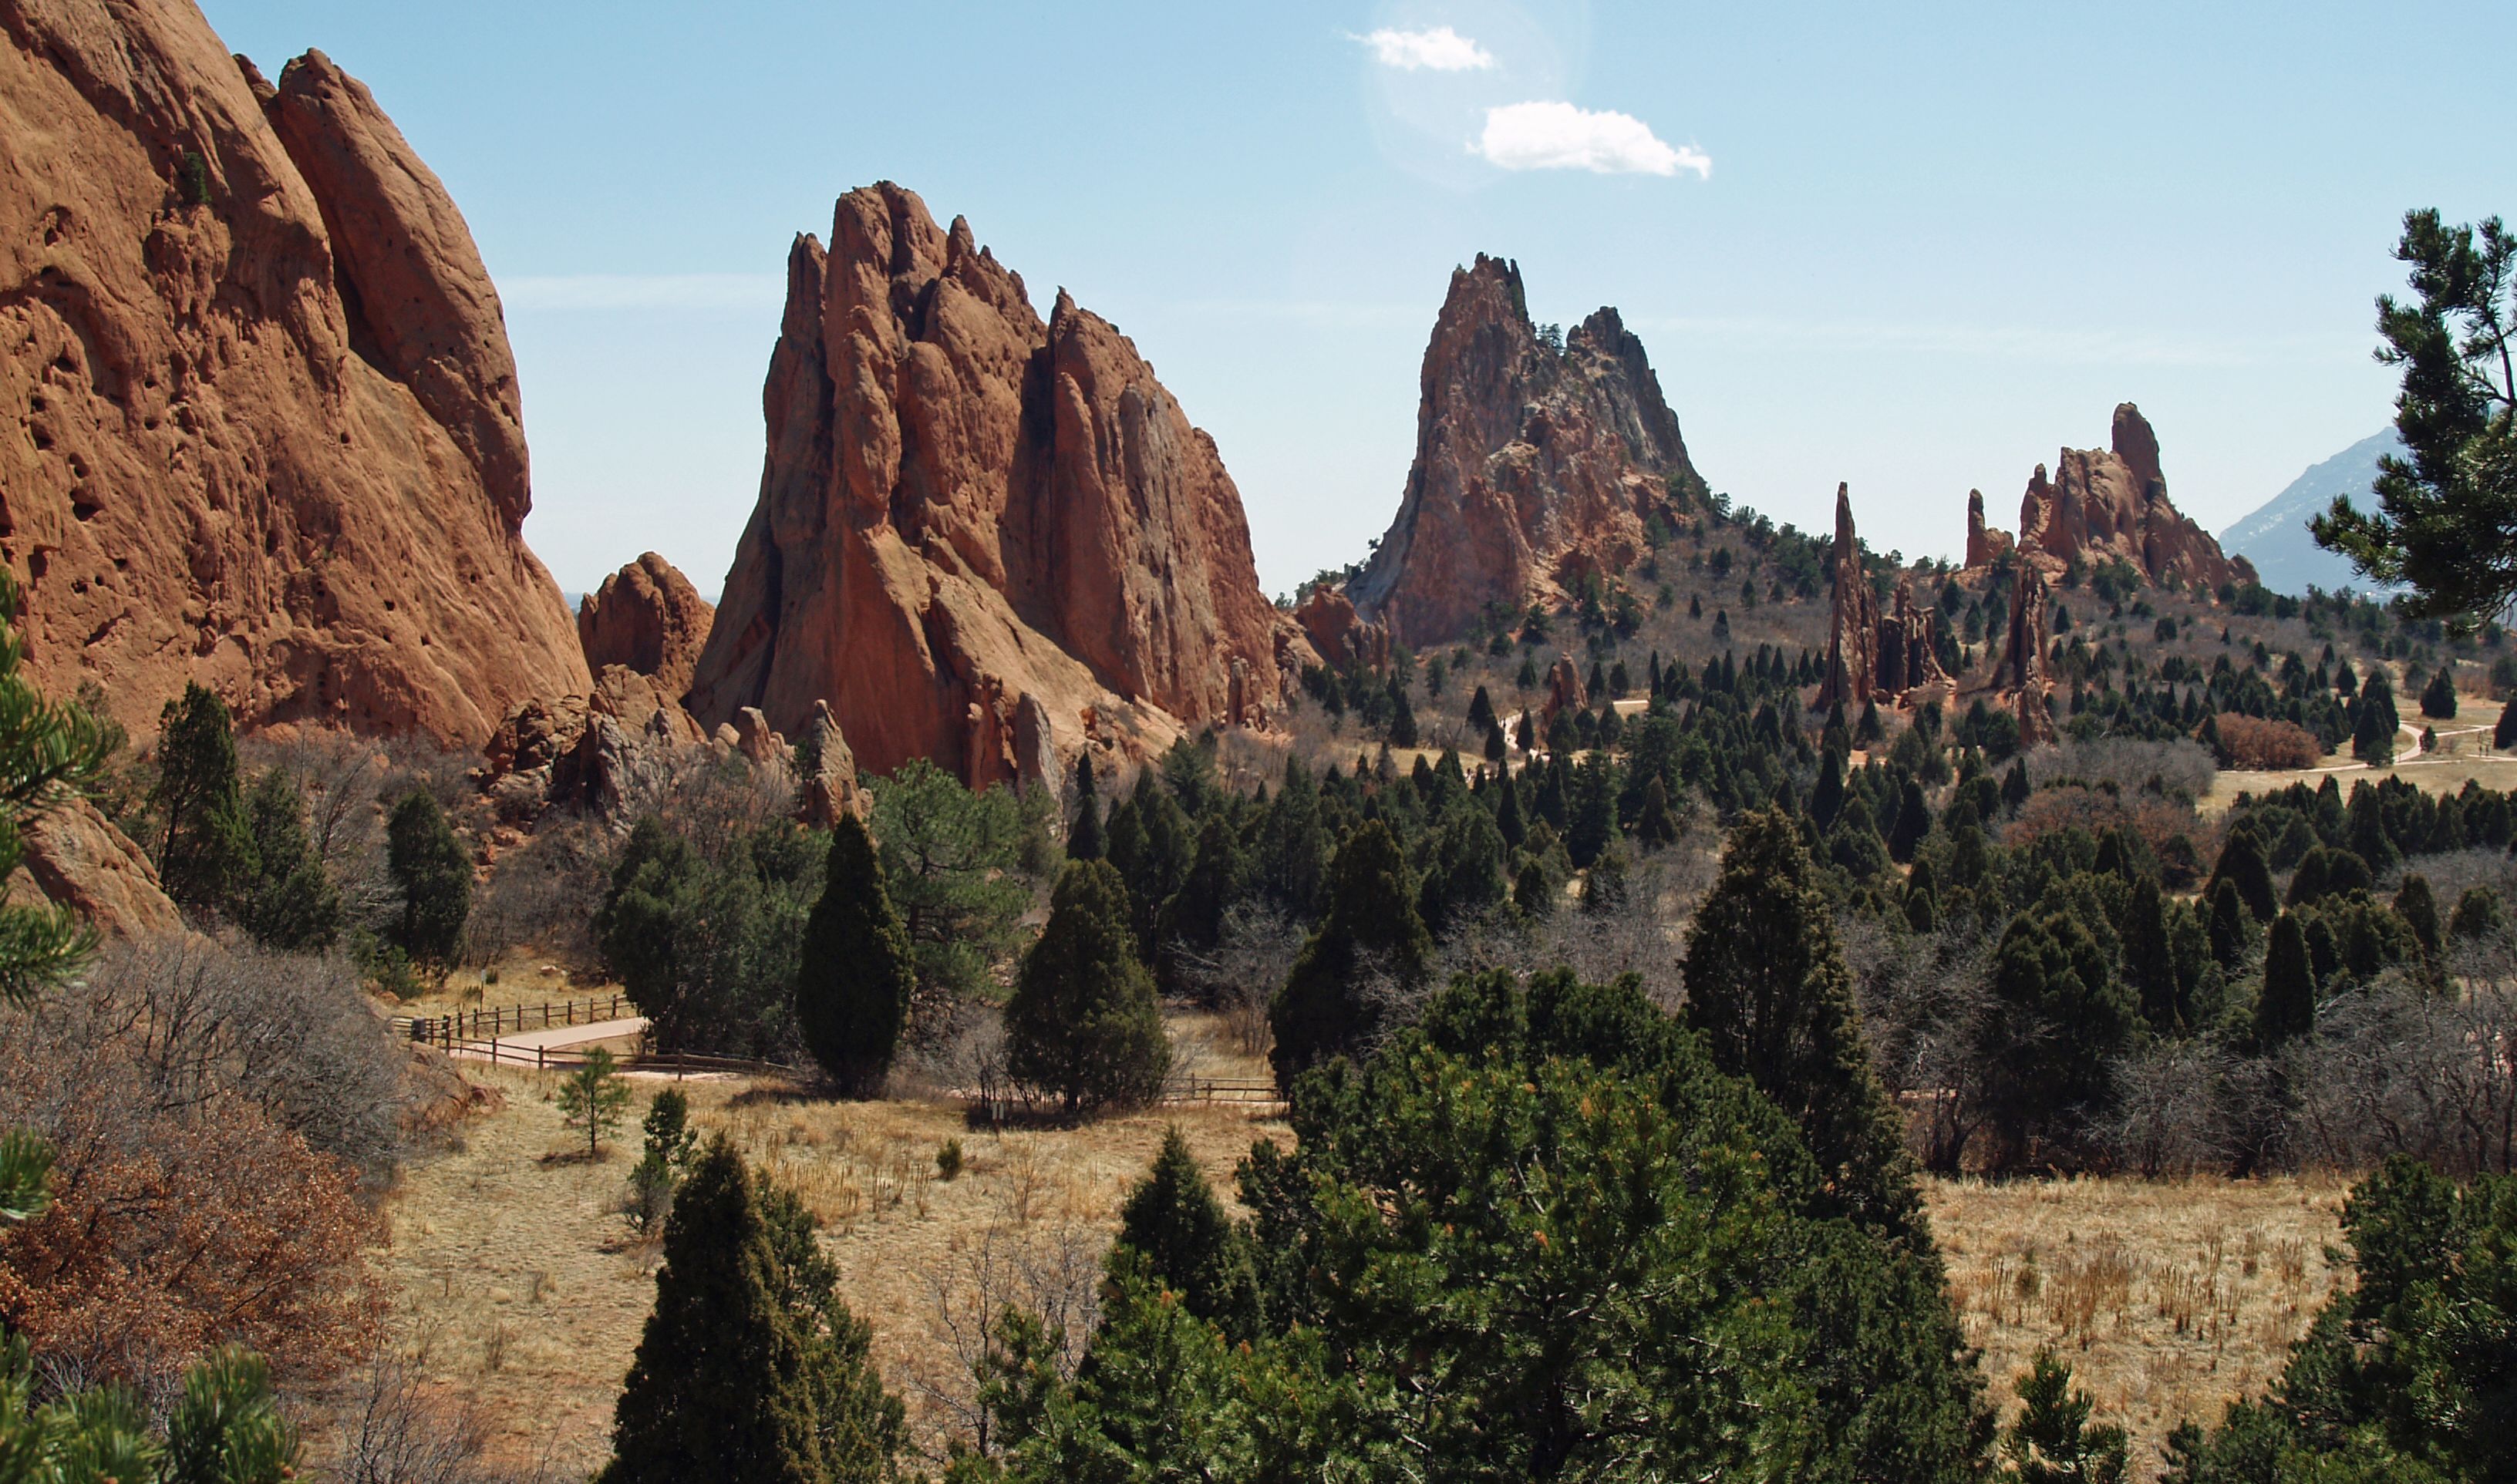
point(647, 618)
point(271, 437)
point(1536, 466)
point(964, 505)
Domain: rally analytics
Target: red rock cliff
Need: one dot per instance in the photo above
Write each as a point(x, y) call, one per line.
point(2100, 504)
point(646, 616)
point(963, 507)
point(1533, 467)
point(259, 423)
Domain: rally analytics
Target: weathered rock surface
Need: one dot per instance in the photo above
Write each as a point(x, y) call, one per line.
point(964, 506)
point(76, 859)
point(578, 751)
point(1565, 690)
point(2019, 674)
point(1986, 544)
point(259, 423)
point(1852, 627)
point(646, 617)
point(1341, 636)
point(1534, 467)
point(2101, 504)
point(1908, 658)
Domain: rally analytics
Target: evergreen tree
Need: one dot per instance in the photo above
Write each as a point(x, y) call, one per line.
point(1826, 801)
point(1173, 1218)
point(1372, 926)
point(1508, 820)
point(2150, 960)
point(288, 902)
point(2506, 732)
point(1533, 893)
point(2285, 1007)
point(1594, 825)
point(2418, 908)
point(1913, 821)
point(952, 859)
point(2478, 914)
point(1496, 747)
point(427, 865)
point(2376, 722)
point(2242, 865)
point(2060, 1021)
point(719, 1388)
point(205, 845)
point(1083, 1023)
point(592, 1097)
point(2013, 784)
point(2438, 697)
point(1085, 839)
point(853, 978)
point(2053, 1441)
point(1657, 825)
point(1402, 718)
point(1292, 847)
point(1767, 986)
point(1481, 711)
point(1608, 884)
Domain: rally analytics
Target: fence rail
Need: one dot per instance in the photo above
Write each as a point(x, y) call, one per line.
point(443, 1030)
point(569, 1058)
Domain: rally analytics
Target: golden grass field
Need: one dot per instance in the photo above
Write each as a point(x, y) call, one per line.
point(2167, 1300)
point(517, 1275)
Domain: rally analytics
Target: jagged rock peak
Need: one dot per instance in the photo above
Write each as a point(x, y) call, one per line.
point(2103, 504)
point(275, 442)
point(1985, 544)
point(646, 617)
point(1871, 656)
point(981, 538)
point(1535, 466)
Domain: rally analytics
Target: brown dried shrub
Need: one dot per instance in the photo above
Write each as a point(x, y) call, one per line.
point(2255, 743)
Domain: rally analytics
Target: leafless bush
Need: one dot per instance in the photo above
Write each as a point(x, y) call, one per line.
point(2167, 1121)
point(2451, 872)
point(544, 896)
point(704, 796)
point(1050, 1273)
point(1926, 1002)
point(343, 780)
point(397, 1429)
point(1243, 972)
point(2182, 768)
point(2398, 1068)
point(290, 1034)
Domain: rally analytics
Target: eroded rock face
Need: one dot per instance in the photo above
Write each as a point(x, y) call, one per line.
point(1852, 628)
point(76, 859)
point(1534, 468)
point(2020, 674)
point(646, 617)
point(1907, 657)
point(259, 424)
point(964, 506)
point(1565, 690)
point(1986, 544)
point(1341, 636)
point(2101, 504)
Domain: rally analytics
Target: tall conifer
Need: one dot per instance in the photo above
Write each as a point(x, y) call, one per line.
point(854, 976)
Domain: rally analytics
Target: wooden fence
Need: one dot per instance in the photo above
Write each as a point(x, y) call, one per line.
point(444, 1031)
point(569, 1058)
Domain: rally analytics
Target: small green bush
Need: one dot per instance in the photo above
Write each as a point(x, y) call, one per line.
point(948, 1160)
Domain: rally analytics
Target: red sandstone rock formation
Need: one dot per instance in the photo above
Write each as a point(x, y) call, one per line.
point(1908, 657)
point(2105, 504)
point(1342, 637)
point(1565, 690)
point(76, 859)
point(268, 435)
point(2019, 674)
point(1986, 544)
point(649, 618)
point(962, 507)
point(1533, 467)
point(1852, 630)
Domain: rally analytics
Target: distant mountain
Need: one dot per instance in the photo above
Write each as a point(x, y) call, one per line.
point(2276, 538)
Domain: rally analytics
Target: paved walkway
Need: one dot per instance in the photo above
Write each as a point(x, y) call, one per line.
point(561, 1038)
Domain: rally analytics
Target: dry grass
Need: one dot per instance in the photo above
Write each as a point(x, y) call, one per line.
point(517, 1267)
point(2168, 1301)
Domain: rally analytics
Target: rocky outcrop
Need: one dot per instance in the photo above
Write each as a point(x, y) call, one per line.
point(1565, 690)
point(2019, 674)
point(75, 858)
point(2105, 504)
point(1852, 628)
point(259, 424)
point(1986, 544)
point(1342, 637)
point(964, 506)
point(1535, 466)
point(1908, 654)
point(574, 751)
point(828, 772)
point(646, 617)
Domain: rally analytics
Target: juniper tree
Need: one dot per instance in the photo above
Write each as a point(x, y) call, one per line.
point(1085, 840)
point(435, 878)
point(1083, 1024)
point(2242, 865)
point(205, 845)
point(287, 901)
point(1768, 987)
point(2285, 1005)
point(854, 974)
point(1372, 927)
point(1173, 1218)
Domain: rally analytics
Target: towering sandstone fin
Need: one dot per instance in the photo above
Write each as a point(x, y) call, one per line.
point(964, 510)
point(259, 423)
point(1872, 656)
point(2102, 504)
point(1534, 467)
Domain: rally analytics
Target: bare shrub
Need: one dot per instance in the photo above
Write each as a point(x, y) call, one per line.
point(2398, 1068)
point(544, 897)
point(1926, 1002)
point(396, 1428)
point(703, 795)
point(1050, 1273)
point(2167, 1117)
point(2181, 769)
point(343, 780)
point(1249, 963)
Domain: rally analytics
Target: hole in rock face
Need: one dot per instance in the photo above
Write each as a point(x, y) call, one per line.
point(37, 564)
point(84, 509)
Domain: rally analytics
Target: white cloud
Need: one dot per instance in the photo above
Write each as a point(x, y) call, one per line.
point(1557, 136)
point(1439, 50)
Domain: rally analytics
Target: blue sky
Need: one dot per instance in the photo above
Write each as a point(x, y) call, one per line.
point(1916, 247)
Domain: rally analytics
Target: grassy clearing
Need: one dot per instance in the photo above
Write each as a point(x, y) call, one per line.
point(517, 1277)
point(2167, 1300)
